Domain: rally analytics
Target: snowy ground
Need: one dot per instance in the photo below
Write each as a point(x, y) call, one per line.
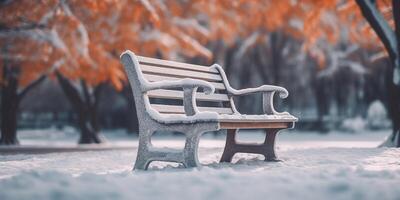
point(333, 166)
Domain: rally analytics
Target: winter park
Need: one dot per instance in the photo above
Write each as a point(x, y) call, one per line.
point(199, 99)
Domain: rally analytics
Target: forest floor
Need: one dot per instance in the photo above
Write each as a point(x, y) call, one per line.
point(314, 166)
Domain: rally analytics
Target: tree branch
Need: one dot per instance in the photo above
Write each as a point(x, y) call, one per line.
point(70, 91)
point(21, 28)
point(33, 84)
point(97, 91)
point(380, 26)
point(86, 94)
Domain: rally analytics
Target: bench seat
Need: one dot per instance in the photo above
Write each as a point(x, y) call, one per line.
point(256, 118)
point(182, 118)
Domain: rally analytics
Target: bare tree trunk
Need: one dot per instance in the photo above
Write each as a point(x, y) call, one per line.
point(10, 100)
point(89, 134)
point(86, 107)
point(391, 40)
point(322, 104)
point(394, 111)
point(9, 106)
point(277, 45)
point(396, 88)
point(132, 123)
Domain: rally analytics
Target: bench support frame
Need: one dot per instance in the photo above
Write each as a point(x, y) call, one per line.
point(267, 148)
point(188, 156)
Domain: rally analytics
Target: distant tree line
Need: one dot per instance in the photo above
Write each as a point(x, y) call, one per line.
point(344, 89)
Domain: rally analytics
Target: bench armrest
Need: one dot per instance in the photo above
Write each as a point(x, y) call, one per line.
point(189, 87)
point(283, 93)
point(268, 92)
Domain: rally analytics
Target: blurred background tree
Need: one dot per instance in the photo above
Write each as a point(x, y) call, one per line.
point(324, 52)
point(81, 43)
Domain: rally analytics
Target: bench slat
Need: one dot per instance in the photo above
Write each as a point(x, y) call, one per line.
point(255, 120)
point(174, 94)
point(178, 65)
point(251, 125)
point(152, 77)
point(180, 109)
point(179, 73)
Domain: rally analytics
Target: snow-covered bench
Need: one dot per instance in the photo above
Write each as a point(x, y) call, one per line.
point(161, 79)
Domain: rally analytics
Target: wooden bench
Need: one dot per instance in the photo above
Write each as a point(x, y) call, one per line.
point(177, 84)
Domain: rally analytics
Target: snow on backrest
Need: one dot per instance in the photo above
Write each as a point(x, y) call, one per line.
point(170, 101)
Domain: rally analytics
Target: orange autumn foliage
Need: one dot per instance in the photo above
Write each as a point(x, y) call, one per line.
point(308, 20)
point(83, 39)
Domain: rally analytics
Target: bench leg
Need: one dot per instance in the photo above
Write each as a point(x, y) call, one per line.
point(190, 151)
point(141, 163)
point(229, 150)
point(188, 157)
point(269, 144)
point(267, 148)
point(147, 153)
point(142, 157)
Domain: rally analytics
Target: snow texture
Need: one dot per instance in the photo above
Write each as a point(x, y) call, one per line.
point(377, 116)
point(288, 118)
point(354, 124)
point(208, 88)
point(334, 166)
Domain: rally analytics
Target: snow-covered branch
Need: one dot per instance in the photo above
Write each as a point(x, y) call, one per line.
point(83, 45)
point(191, 23)
point(338, 59)
point(150, 8)
point(246, 45)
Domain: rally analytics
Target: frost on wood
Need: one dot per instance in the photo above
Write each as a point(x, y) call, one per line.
point(180, 118)
point(264, 118)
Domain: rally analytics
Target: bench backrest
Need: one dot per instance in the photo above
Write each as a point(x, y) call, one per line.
point(159, 70)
